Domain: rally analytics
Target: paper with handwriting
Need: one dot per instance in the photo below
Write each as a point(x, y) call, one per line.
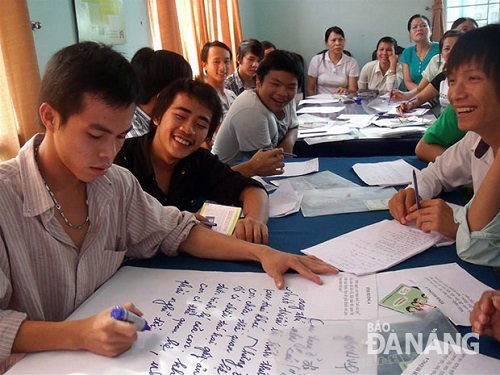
point(207, 322)
point(374, 248)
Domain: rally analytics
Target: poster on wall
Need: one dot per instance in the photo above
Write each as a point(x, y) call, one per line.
point(100, 21)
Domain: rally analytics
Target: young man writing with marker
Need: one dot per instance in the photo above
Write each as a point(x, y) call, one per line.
point(474, 77)
point(69, 216)
point(263, 122)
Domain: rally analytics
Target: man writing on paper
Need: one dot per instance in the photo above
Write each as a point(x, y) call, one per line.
point(69, 216)
point(474, 76)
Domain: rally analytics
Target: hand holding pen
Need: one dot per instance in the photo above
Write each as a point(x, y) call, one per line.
point(208, 221)
point(124, 315)
point(407, 106)
point(267, 162)
point(397, 95)
point(285, 154)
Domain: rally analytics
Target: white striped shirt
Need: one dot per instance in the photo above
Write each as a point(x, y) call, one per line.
point(140, 123)
point(43, 276)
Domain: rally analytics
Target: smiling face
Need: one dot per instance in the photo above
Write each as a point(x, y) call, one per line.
point(182, 129)
point(419, 30)
point(474, 97)
point(88, 142)
point(277, 89)
point(385, 50)
point(217, 65)
point(335, 43)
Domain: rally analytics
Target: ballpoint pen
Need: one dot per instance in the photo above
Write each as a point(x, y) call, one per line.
point(415, 184)
point(285, 154)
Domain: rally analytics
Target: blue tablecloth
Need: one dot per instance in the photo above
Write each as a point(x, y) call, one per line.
point(295, 232)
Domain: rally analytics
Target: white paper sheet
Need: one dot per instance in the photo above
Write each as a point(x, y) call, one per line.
point(333, 349)
point(269, 187)
point(343, 200)
point(356, 295)
point(329, 138)
point(322, 96)
point(202, 322)
point(311, 100)
point(399, 122)
point(320, 180)
point(284, 201)
point(299, 168)
point(441, 359)
point(383, 105)
point(374, 248)
point(324, 131)
point(357, 121)
point(322, 109)
point(447, 286)
point(308, 121)
point(404, 131)
point(389, 173)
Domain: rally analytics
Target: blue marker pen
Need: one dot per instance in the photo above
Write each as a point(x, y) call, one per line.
point(120, 313)
point(210, 222)
point(415, 185)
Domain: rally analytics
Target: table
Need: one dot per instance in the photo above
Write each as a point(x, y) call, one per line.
point(357, 145)
point(294, 232)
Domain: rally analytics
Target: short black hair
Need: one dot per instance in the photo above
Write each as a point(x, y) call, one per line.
point(390, 40)
point(449, 34)
point(418, 16)
point(267, 44)
point(201, 91)
point(250, 46)
point(216, 43)
point(333, 29)
point(156, 70)
point(461, 20)
point(480, 47)
point(282, 60)
point(87, 67)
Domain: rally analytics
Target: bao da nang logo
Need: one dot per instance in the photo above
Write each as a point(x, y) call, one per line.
point(382, 339)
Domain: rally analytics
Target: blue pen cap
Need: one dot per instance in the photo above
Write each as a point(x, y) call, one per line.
point(118, 313)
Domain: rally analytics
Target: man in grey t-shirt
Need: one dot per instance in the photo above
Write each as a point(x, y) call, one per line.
point(263, 118)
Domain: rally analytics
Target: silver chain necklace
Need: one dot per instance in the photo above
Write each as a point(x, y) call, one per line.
point(58, 206)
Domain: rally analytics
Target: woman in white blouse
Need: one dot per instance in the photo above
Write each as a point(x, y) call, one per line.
point(383, 74)
point(332, 71)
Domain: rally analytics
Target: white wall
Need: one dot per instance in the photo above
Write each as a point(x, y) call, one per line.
point(300, 25)
point(296, 25)
point(59, 27)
